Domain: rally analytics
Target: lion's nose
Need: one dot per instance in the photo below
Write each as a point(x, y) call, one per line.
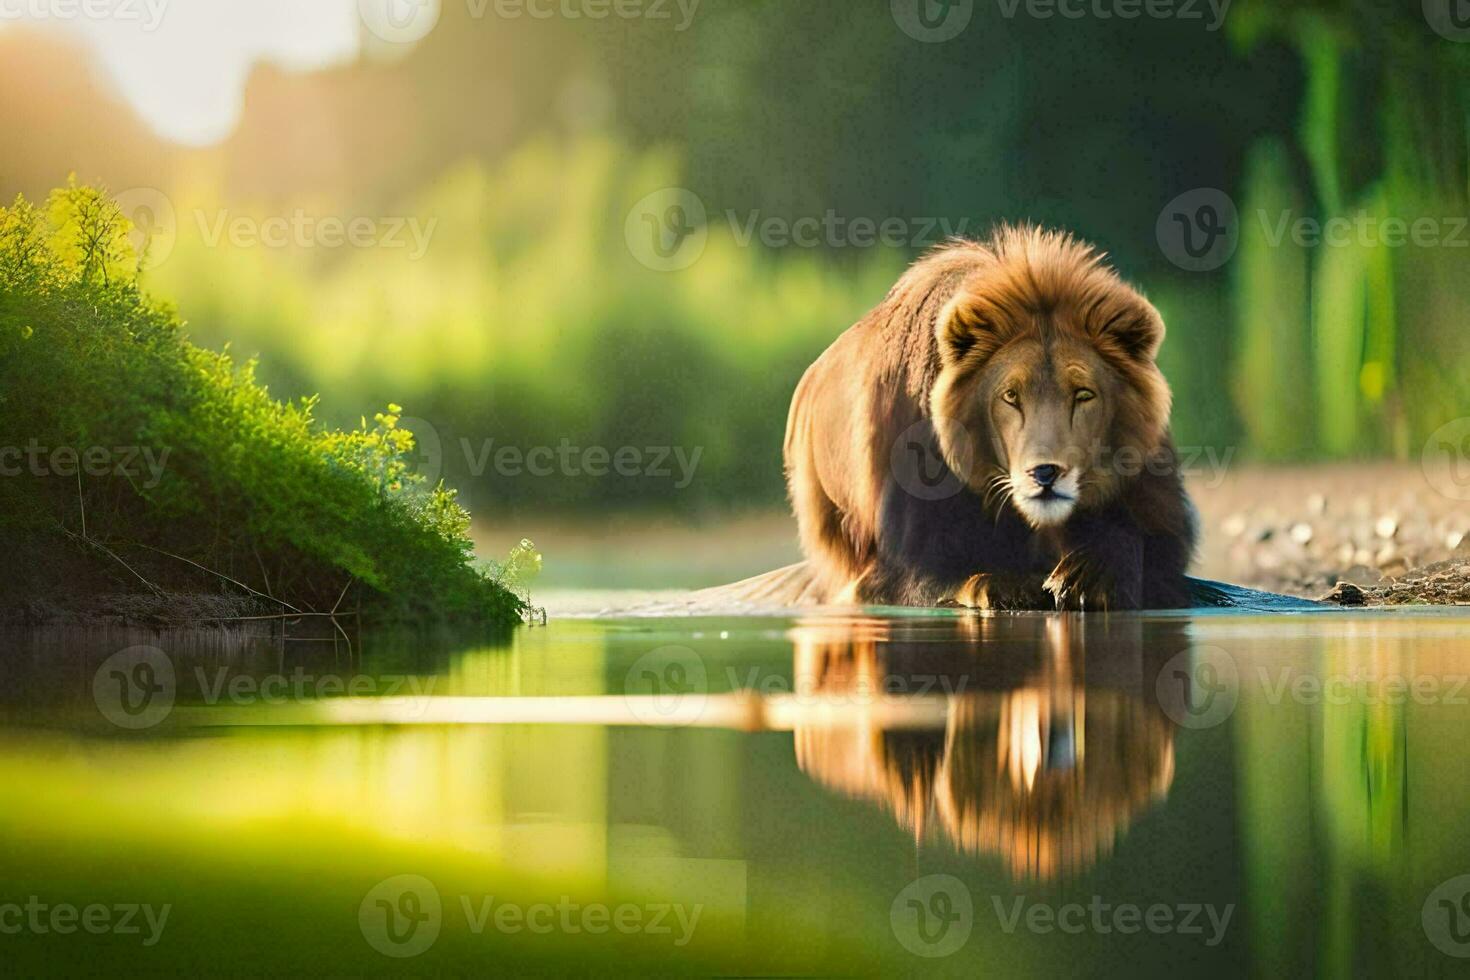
point(1046, 474)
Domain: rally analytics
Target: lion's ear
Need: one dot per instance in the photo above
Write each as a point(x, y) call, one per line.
point(1137, 331)
point(961, 330)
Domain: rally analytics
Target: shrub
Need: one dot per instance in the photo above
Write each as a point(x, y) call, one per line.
point(122, 440)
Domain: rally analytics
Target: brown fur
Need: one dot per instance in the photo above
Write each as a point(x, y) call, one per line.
point(986, 359)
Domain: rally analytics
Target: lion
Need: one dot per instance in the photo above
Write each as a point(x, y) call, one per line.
point(994, 434)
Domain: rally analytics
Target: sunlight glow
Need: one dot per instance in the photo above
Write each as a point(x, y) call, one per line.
point(183, 64)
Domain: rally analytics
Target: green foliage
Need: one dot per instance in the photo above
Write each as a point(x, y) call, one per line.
point(529, 321)
point(190, 455)
point(521, 566)
point(1272, 385)
point(1383, 138)
point(519, 570)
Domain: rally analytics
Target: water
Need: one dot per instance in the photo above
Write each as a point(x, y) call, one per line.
point(928, 793)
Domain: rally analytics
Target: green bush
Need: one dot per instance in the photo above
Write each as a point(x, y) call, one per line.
point(122, 437)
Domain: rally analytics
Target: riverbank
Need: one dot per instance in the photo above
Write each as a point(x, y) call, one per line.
point(1385, 529)
point(1382, 528)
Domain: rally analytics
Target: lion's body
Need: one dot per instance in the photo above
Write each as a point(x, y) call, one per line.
point(891, 505)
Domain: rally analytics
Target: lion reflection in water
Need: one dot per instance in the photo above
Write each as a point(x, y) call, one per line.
point(1051, 745)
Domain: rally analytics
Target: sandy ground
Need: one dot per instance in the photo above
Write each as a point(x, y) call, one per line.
point(1396, 532)
point(1390, 530)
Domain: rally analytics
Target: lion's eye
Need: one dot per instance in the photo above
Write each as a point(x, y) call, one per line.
point(1084, 395)
point(1010, 396)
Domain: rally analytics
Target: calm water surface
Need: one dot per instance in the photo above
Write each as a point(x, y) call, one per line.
point(938, 793)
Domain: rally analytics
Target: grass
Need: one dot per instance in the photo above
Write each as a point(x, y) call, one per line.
point(132, 459)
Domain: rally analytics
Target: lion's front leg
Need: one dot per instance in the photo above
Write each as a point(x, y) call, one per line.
point(1099, 570)
point(1003, 590)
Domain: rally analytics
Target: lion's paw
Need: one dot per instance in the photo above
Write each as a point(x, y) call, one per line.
point(1080, 581)
point(1002, 591)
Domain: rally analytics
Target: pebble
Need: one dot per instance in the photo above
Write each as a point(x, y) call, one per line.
point(1392, 541)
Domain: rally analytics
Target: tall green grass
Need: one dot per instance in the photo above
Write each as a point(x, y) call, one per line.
point(1355, 344)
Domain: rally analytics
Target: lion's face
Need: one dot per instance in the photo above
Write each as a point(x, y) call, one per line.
point(1048, 410)
point(1047, 382)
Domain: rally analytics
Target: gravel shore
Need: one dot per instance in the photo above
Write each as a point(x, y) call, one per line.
point(1372, 533)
